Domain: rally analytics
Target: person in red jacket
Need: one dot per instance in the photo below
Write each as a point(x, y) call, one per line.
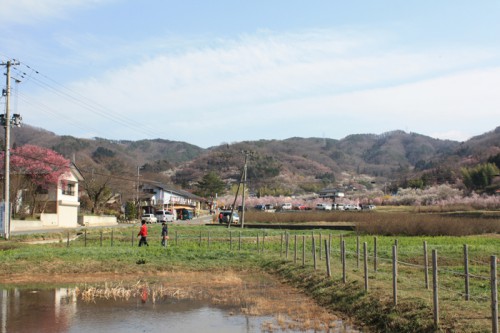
point(144, 234)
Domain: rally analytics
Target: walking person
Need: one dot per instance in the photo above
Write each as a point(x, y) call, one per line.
point(164, 234)
point(144, 234)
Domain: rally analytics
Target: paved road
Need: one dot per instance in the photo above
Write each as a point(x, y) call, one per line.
point(198, 220)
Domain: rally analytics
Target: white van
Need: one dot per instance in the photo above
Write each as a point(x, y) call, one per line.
point(286, 206)
point(164, 216)
point(323, 206)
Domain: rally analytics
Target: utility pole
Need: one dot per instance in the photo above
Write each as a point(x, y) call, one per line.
point(246, 152)
point(137, 196)
point(6, 121)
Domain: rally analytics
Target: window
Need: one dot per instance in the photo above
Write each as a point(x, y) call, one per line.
point(68, 189)
point(41, 190)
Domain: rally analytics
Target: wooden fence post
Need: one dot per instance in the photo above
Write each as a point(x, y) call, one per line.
point(258, 243)
point(67, 243)
point(395, 274)
point(314, 252)
point(303, 251)
point(100, 242)
point(328, 268)
point(365, 265)
point(112, 236)
point(357, 252)
point(239, 242)
point(466, 271)
point(176, 238)
point(320, 257)
point(494, 295)
point(281, 245)
point(341, 239)
point(230, 240)
point(435, 290)
point(344, 277)
point(375, 254)
point(426, 266)
point(132, 238)
point(208, 240)
point(85, 238)
point(199, 242)
point(295, 249)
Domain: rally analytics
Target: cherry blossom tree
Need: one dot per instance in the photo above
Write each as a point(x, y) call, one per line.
point(34, 170)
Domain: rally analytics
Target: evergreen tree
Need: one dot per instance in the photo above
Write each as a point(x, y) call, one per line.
point(210, 185)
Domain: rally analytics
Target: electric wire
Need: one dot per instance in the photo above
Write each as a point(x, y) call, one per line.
point(56, 115)
point(30, 74)
point(87, 104)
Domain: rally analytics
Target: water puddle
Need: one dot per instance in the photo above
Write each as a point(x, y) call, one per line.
point(176, 302)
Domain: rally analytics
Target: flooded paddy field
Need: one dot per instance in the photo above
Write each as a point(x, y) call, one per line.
point(177, 301)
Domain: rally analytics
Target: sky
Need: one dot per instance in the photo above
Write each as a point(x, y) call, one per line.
point(221, 71)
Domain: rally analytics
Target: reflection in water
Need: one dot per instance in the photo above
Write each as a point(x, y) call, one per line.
point(60, 310)
point(37, 311)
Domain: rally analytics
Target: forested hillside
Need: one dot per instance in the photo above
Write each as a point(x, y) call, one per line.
point(294, 165)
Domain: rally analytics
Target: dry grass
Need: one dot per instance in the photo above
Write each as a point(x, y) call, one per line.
point(254, 294)
point(409, 223)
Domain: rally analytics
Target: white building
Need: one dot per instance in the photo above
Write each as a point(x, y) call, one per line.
point(61, 204)
point(159, 196)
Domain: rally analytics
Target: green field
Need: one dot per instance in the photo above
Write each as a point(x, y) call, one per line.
point(114, 252)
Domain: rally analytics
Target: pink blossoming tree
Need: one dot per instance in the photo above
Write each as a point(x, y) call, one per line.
point(33, 171)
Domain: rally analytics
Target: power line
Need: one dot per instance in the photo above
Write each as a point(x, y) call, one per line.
point(56, 115)
point(81, 101)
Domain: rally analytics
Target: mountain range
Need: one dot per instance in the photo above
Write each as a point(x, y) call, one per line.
point(293, 165)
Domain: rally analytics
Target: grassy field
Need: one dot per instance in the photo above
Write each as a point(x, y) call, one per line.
point(113, 254)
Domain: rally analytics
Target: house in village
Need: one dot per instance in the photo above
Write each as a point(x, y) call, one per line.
point(331, 193)
point(61, 204)
point(156, 196)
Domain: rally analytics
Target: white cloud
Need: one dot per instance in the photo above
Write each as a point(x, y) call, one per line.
point(271, 69)
point(290, 79)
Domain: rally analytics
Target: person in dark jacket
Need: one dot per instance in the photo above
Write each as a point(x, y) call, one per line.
point(144, 234)
point(164, 234)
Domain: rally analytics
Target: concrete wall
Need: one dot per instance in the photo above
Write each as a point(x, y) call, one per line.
point(68, 213)
point(46, 222)
point(21, 225)
point(49, 220)
point(91, 221)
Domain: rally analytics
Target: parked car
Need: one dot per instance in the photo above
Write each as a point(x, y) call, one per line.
point(301, 207)
point(286, 206)
point(226, 215)
point(269, 207)
point(339, 207)
point(367, 207)
point(186, 214)
point(351, 207)
point(164, 216)
point(323, 206)
point(149, 218)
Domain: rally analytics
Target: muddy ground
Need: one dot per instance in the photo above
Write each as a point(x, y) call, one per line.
point(251, 293)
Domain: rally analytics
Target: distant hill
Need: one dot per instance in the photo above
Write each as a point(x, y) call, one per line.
point(307, 163)
point(157, 155)
point(295, 164)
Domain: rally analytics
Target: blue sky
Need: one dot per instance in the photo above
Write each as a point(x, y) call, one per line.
point(212, 72)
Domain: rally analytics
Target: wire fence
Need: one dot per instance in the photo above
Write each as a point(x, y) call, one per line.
point(458, 284)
